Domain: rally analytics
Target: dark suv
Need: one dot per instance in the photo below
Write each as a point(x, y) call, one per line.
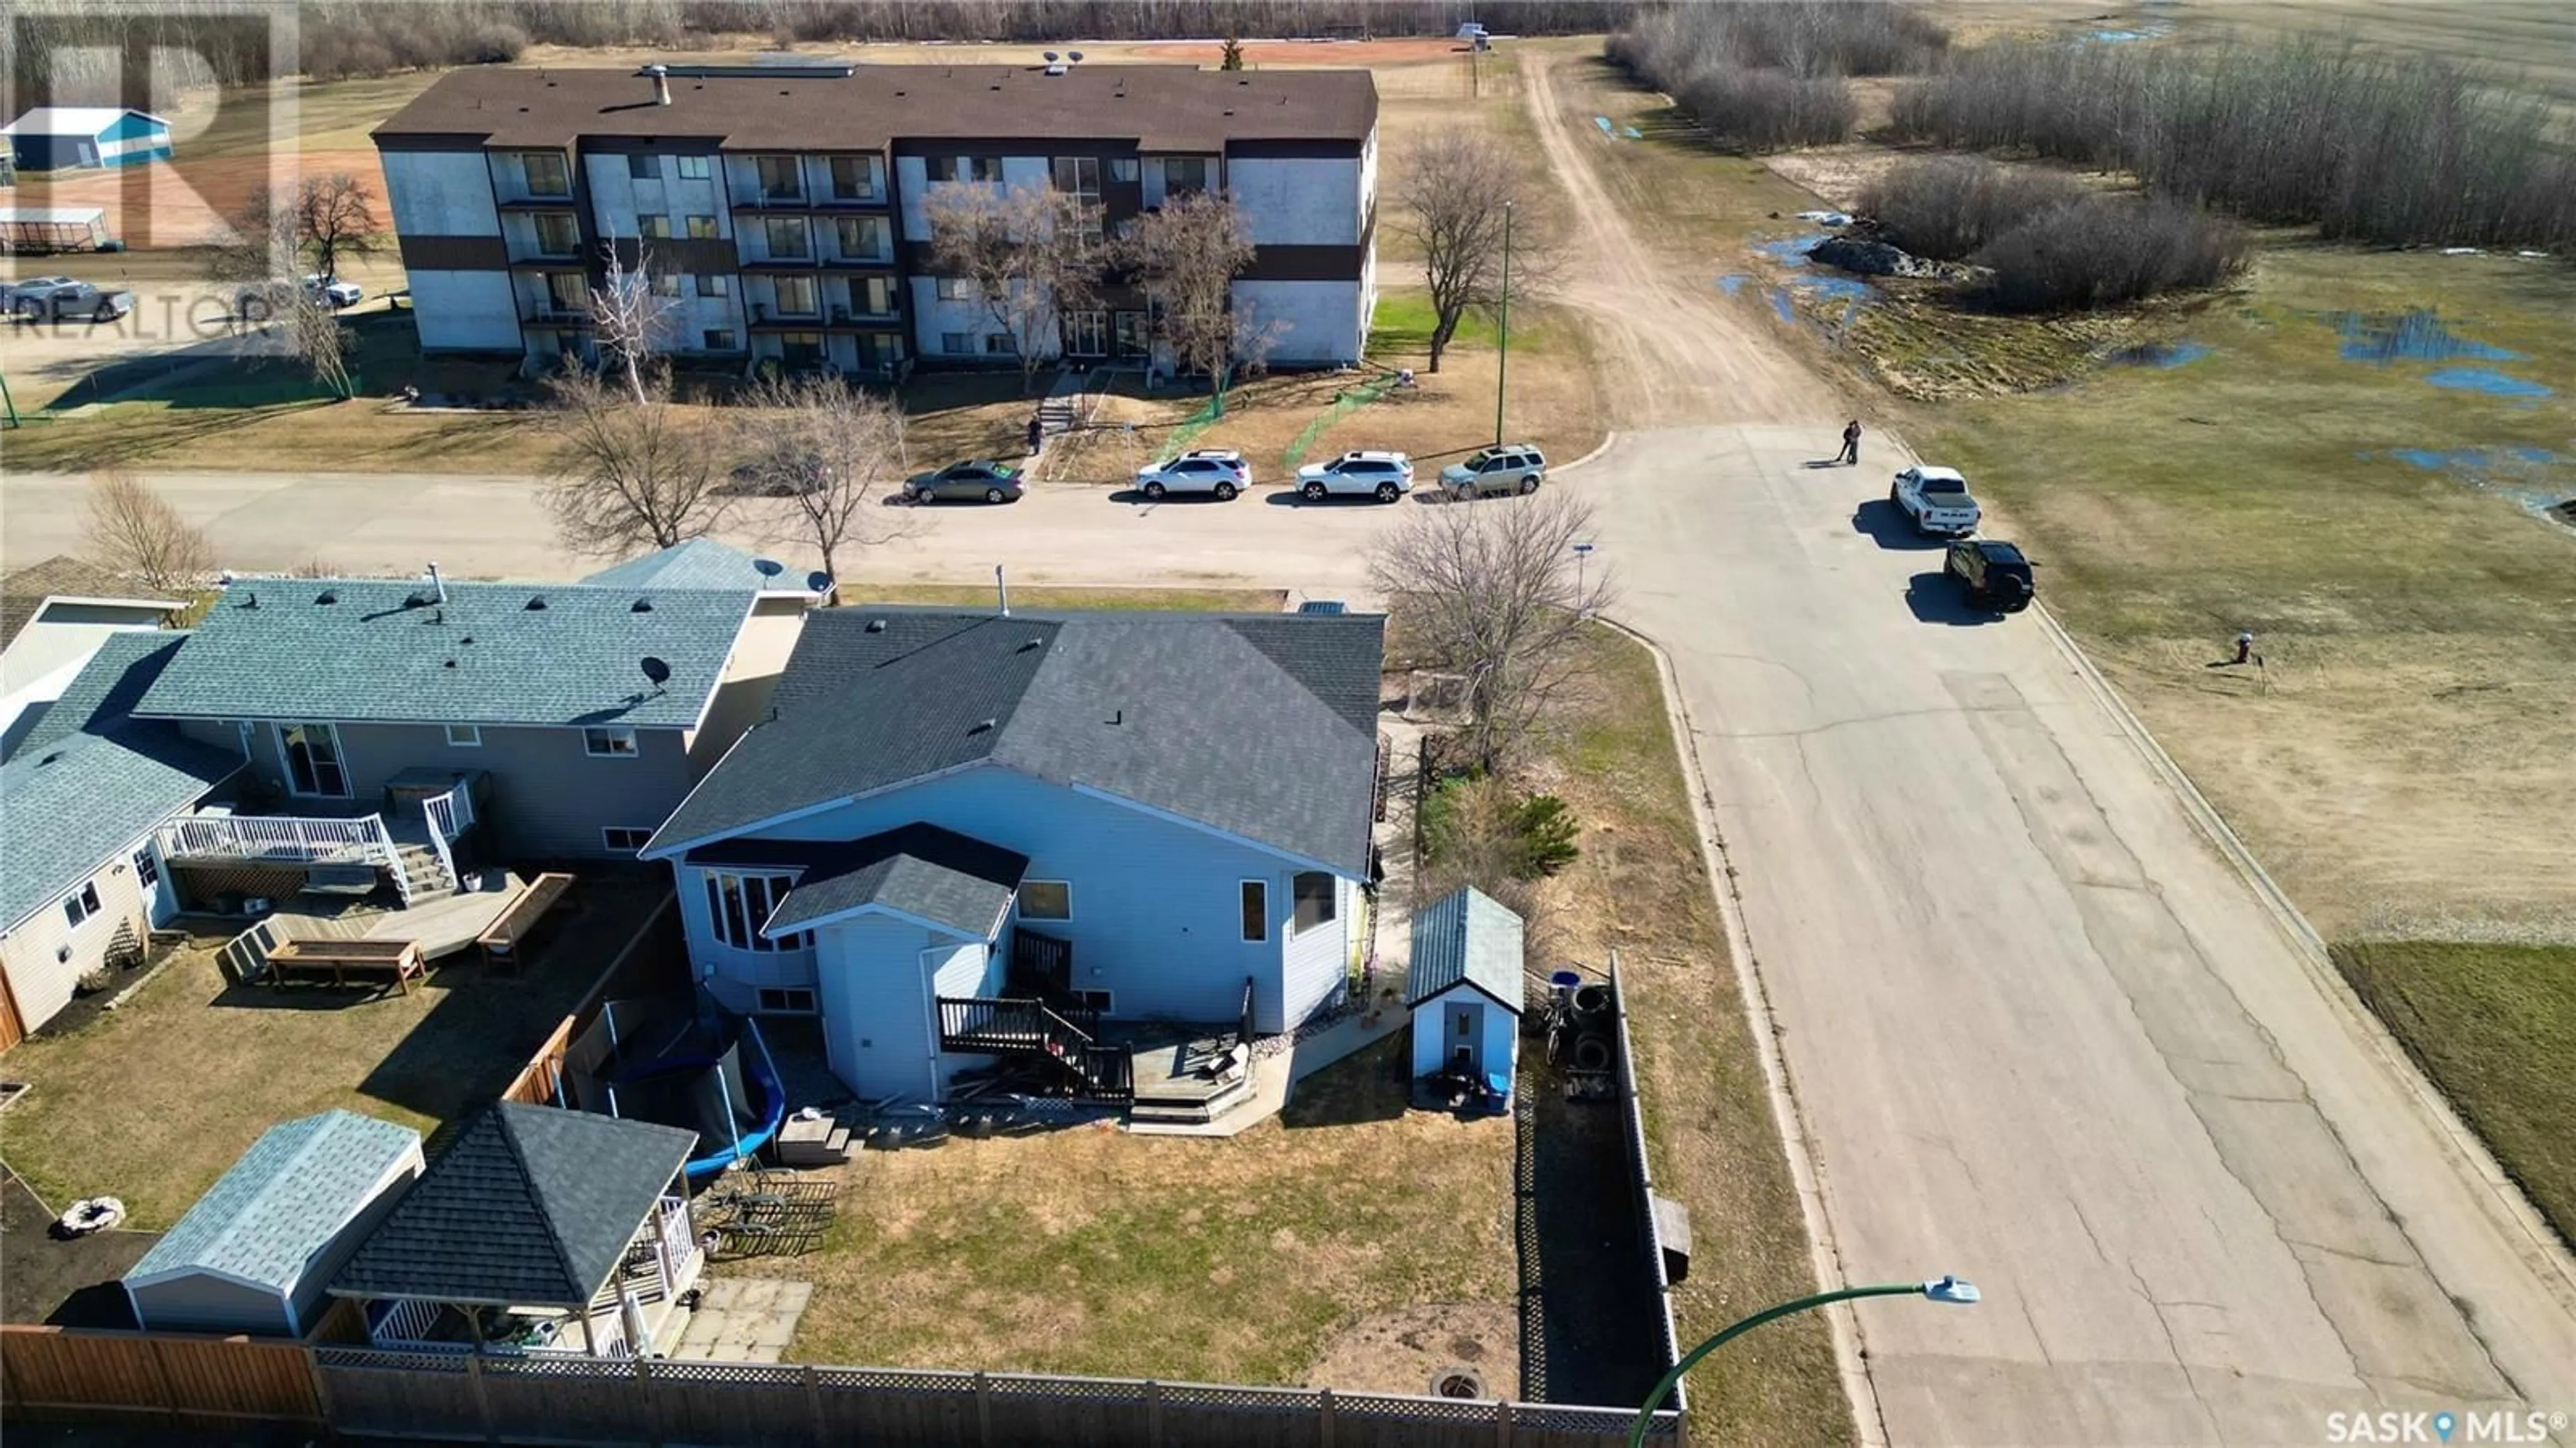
point(1995, 574)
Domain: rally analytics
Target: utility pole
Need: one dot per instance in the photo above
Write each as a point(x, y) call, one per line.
point(1503, 362)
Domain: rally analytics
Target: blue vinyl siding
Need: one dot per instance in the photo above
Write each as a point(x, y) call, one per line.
point(1157, 915)
point(878, 1027)
point(1496, 1035)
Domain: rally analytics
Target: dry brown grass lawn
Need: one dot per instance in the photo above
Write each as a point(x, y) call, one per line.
point(1088, 1250)
point(1639, 888)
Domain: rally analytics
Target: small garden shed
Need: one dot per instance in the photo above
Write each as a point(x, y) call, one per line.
point(256, 1254)
point(1466, 995)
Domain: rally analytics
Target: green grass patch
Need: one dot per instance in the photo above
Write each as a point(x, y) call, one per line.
point(1154, 600)
point(2494, 1026)
point(1402, 327)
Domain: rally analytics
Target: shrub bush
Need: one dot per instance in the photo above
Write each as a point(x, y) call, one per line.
point(1947, 207)
point(2098, 251)
point(1767, 110)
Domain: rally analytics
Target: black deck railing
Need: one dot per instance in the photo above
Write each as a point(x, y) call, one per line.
point(1031, 1029)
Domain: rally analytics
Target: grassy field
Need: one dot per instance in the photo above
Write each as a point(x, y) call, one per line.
point(2495, 1027)
point(153, 1101)
point(1639, 887)
point(1245, 1260)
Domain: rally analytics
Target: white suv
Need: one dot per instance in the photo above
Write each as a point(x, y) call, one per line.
point(1385, 476)
point(1217, 470)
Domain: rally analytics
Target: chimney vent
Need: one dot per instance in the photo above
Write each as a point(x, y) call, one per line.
point(661, 75)
point(437, 585)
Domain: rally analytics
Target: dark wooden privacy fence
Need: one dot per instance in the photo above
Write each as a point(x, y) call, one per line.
point(205, 1382)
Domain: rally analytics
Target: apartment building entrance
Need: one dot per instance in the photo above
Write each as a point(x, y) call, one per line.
point(1135, 340)
point(1086, 334)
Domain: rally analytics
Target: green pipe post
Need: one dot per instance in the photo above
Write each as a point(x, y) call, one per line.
point(1943, 1289)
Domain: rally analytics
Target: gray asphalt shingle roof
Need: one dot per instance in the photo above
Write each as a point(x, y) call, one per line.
point(1466, 935)
point(922, 870)
point(87, 781)
point(282, 1203)
point(695, 563)
point(528, 1205)
point(1261, 726)
point(386, 651)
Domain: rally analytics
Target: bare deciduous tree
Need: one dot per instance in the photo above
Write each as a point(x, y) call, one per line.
point(1029, 254)
point(1496, 595)
point(135, 530)
point(1457, 187)
point(828, 450)
point(314, 333)
point(627, 475)
point(1186, 257)
point(632, 319)
point(321, 220)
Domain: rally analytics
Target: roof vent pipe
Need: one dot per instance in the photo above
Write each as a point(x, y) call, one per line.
point(661, 75)
point(437, 585)
point(1002, 587)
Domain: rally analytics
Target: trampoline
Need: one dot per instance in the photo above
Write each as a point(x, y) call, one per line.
point(689, 1064)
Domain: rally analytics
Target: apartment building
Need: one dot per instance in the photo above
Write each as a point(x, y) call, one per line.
point(781, 208)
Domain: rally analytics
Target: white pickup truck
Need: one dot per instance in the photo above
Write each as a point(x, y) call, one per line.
point(1937, 500)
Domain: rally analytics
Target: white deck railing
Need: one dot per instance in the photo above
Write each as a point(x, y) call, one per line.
point(448, 816)
point(294, 839)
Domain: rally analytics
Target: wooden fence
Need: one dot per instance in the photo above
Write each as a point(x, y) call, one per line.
point(538, 1082)
point(205, 1382)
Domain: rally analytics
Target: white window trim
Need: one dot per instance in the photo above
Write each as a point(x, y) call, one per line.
point(761, 890)
point(339, 758)
point(1264, 937)
point(1326, 923)
point(86, 897)
point(1020, 898)
point(147, 868)
point(634, 747)
point(470, 738)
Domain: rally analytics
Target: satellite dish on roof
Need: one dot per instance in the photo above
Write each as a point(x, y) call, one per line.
point(768, 567)
point(656, 672)
point(818, 582)
point(1073, 55)
point(1052, 57)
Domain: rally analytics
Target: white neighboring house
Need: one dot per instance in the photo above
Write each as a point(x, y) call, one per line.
point(963, 833)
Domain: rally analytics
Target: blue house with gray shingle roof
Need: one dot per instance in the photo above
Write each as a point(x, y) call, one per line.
point(964, 834)
point(257, 1253)
point(1465, 991)
point(82, 797)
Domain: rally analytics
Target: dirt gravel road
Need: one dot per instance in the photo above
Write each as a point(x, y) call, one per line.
point(1672, 352)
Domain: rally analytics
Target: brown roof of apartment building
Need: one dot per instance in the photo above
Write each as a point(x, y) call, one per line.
point(866, 107)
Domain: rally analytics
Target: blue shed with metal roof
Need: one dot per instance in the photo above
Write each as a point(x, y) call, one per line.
point(256, 1254)
point(65, 138)
point(1465, 992)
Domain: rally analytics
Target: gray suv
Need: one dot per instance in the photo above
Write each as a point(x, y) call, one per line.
point(1512, 468)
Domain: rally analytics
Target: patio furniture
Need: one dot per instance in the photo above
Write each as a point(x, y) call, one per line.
point(395, 961)
point(505, 943)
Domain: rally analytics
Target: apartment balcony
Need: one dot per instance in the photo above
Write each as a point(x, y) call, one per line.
point(837, 262)
point(563, 202)
point(839, 320)
point(760, 202)
point(555, 315)
point(805, 263)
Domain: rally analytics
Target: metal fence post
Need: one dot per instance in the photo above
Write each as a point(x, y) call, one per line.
point(983, 1409)
point(814, 1406)
point(1153, 1414)
point(482, 1397)
point(1324, 1418)
point(1502, 1423)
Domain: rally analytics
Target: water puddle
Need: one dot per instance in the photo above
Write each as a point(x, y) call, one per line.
point(1607, 129)
point(2417, 336)
point(2533, 479)
point(1632, 133)
point(1780, 303)
point(2152, 30)
point(2163, 356)
point(1732, 283)
point(1849, 289)
point(1791, 251)
point(2487, 380)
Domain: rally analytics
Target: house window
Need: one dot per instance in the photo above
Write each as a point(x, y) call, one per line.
point(719, 339)
point(1046, 900)
point(714, 284)
point(738, 905)
point(666, 284)
point(81, 904)
point(652, 226)
point(695, 168)
point(800, 349)
point(1079, 175)
point(787, 1000)
point(640, 167)
point(624, 839)
point(565, 292)
point(779, 180)
point(1317, 895)
point(956, 344)
point(795, 295)
point(147, 869)
point(787, 239)
point(702, 228)
point(557, 234)
point(1122, 168)
point(873, 295)
point(854, 178)
point(1000, 344)
point(613, 742)
point(964, 168)
point(862, 238)
point(311, 753)
point(546, 173)
point(464, 736)
point(953, 289)
point(1182, 174)
point(1256, 911)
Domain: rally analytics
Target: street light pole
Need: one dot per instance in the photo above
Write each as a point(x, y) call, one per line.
point(1503, 363)
point(1940, 1289)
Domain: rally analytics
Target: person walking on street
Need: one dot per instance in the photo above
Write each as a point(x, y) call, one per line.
point(1851, 444)
point(1037, 436)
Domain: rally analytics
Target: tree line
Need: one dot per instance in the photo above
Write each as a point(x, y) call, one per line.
point(2397, 150)
point(1767, 77)
point(67, 48)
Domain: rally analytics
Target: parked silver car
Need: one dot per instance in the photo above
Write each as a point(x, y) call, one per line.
point(982, 481)
point(1512, 468)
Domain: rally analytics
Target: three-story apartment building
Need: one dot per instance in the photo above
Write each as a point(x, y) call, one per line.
point(782, 209)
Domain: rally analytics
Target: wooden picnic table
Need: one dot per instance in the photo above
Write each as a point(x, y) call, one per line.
point(398, 961)
point(502, 942)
